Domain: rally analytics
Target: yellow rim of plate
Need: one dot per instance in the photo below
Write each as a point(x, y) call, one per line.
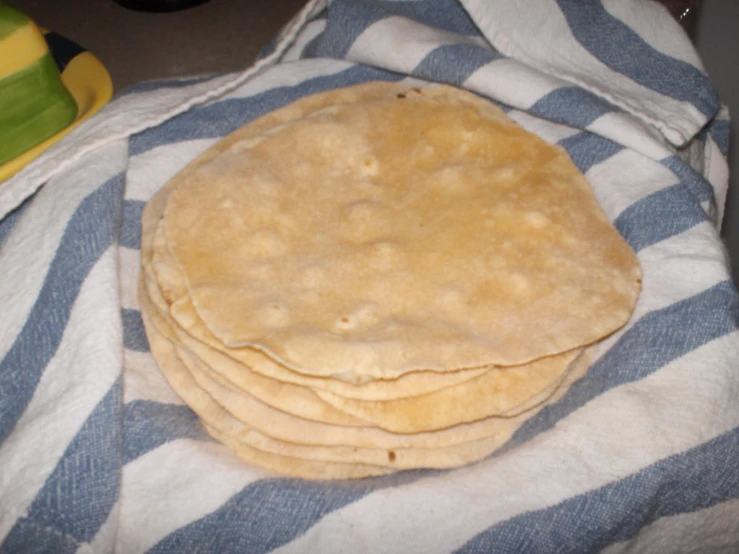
point(91, 87)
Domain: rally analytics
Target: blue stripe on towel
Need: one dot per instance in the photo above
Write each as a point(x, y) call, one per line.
point(90, 231)
point(218, 119)
point(131, 225)
point(693, 181)
point(311, 49)
point(263, 516)
point(77, 497)
point(720, 131)
point(347, 19)
point(659, 216)
point(627, 53)
point(586, 149)
point(148, 425)
point(683, 483)
point(28, 537)
point(657, 339)
point(134, 335)
point(454, 63)
point(572, 106)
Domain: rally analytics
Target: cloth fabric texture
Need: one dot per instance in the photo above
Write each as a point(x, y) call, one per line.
point(97, 454)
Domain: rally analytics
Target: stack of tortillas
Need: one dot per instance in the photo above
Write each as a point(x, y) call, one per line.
point(378, 278)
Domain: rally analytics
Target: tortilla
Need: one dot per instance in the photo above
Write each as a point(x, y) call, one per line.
point(490, 393)
point(284, 427)
point(309, 461)
point(239, 437)
point(169, 292)
point(445, 238)
point(403, 457)
point(378, 278)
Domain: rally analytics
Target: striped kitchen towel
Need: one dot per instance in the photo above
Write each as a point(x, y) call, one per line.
point(97, 454)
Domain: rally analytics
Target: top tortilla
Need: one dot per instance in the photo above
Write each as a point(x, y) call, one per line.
point(389, 230)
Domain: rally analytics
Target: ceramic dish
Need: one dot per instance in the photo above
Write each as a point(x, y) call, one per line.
point(86, 79)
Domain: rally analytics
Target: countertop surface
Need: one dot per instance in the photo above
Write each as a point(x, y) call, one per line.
point(217, 36)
